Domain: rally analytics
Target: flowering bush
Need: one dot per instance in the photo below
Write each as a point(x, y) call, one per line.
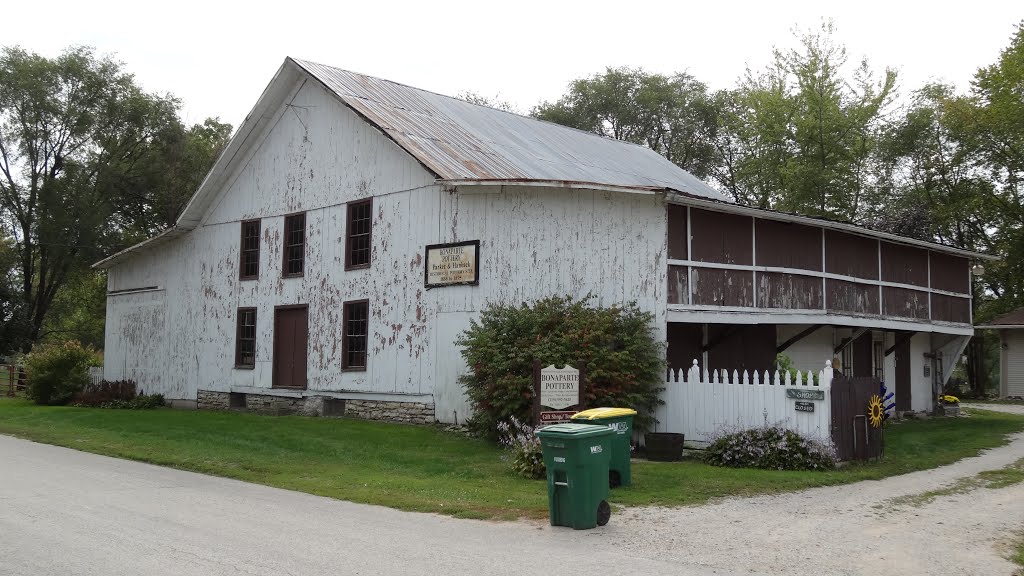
point(520, 440)
point(948, 399)
point(770, 448)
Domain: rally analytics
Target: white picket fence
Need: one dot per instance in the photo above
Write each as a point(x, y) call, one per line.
point(701, 403)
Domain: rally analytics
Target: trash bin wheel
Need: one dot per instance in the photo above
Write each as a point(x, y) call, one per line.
point(604, 512)
point(614, 480)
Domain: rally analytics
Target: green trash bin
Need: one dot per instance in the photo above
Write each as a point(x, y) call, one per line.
point(620, 422)
point(576, 457)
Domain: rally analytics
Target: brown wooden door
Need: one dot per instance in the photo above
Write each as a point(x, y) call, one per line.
point(862, 365)
point(852, 433)
point(902, 375)
point(291, 335)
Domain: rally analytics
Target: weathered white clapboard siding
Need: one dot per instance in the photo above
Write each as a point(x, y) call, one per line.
point(700, 404)
point(539, 242)
point(316, 156)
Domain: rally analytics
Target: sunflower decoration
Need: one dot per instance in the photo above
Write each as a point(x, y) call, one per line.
point(876, 413)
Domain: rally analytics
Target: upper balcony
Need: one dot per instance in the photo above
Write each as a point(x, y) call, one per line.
point(767, 267)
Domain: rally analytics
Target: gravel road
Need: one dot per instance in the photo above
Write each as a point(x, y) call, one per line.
point(837, 530)
point(68, 512)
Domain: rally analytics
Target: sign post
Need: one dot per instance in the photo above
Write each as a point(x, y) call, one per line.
point(560, 389)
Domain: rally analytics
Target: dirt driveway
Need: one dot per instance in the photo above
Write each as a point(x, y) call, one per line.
point(839, 530)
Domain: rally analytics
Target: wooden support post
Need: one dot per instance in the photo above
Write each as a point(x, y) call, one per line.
point(582, 367)
point(900, 339)
point(847, 341)
point(536, 393)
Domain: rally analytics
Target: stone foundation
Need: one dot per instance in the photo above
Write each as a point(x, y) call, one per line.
point(409, 412)
point(207, 400)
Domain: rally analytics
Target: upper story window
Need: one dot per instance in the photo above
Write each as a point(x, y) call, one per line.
point(357, 238)
point(294, 244)
point(249, 263)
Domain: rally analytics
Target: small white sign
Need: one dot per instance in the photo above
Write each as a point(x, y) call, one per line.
point(596, 449)
point(559, 387)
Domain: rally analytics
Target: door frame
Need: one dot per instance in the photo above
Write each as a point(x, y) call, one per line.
point(273, 346)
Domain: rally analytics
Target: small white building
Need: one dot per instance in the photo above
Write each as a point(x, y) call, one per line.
point(353, 227)
point(1011, 352)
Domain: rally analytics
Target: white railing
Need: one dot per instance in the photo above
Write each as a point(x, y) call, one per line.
point(701, 403)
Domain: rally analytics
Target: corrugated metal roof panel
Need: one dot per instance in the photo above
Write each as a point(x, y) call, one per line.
point(463, 141)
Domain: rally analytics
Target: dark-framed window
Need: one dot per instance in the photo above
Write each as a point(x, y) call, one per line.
point(358, 233)
point(245, 339)
point(355, 327)
point(294, 244)
point(249, 263)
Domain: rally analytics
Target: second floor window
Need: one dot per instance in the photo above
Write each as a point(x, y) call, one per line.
point(294, 244)
point(250, 259)
point(357, 238)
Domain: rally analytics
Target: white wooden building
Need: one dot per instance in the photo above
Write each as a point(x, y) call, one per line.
point(1011, 352)
point(297, 276)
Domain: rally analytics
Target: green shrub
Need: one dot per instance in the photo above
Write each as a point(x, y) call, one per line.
point(56, 372)
point(770, 448)
point(104, 392)
point(624, 363)
point(117, 394)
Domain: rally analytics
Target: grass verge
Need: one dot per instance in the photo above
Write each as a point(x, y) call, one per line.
point(999, 478)
point(426, 469)
point(1017, 554)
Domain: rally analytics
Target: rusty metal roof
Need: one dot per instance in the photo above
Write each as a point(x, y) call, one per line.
point(461, 141)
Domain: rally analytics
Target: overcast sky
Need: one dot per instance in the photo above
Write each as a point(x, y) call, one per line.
point(218, 56)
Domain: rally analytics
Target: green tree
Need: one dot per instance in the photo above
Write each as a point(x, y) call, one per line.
point(13, 318)
point(495, 101)
point(88, 163)
point(673, 115)
point(803, 134)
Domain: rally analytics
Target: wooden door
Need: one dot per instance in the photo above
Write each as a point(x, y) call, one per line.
point(291, 336)
point(852, 433)
point(902, 375)
point(862, 361)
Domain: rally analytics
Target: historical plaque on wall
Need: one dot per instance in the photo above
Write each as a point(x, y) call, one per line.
point(452, 264)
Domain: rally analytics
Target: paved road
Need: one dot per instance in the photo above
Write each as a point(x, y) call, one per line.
point(72, 513)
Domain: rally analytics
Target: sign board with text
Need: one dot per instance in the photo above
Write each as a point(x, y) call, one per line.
point(805, 406)
point(802, 394)
point(559, 387)
point(556, 417)
point(452, 264)
point(558, 393)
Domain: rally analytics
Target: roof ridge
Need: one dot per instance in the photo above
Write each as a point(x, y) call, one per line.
point(301, 62)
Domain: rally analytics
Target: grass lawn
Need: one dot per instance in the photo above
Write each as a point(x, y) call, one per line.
point(1012, 402)
point(427, 469)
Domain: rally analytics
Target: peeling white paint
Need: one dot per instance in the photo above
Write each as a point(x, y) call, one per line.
point(535, 242)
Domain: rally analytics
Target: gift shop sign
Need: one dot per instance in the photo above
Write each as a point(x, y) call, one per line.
point(452, 264)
